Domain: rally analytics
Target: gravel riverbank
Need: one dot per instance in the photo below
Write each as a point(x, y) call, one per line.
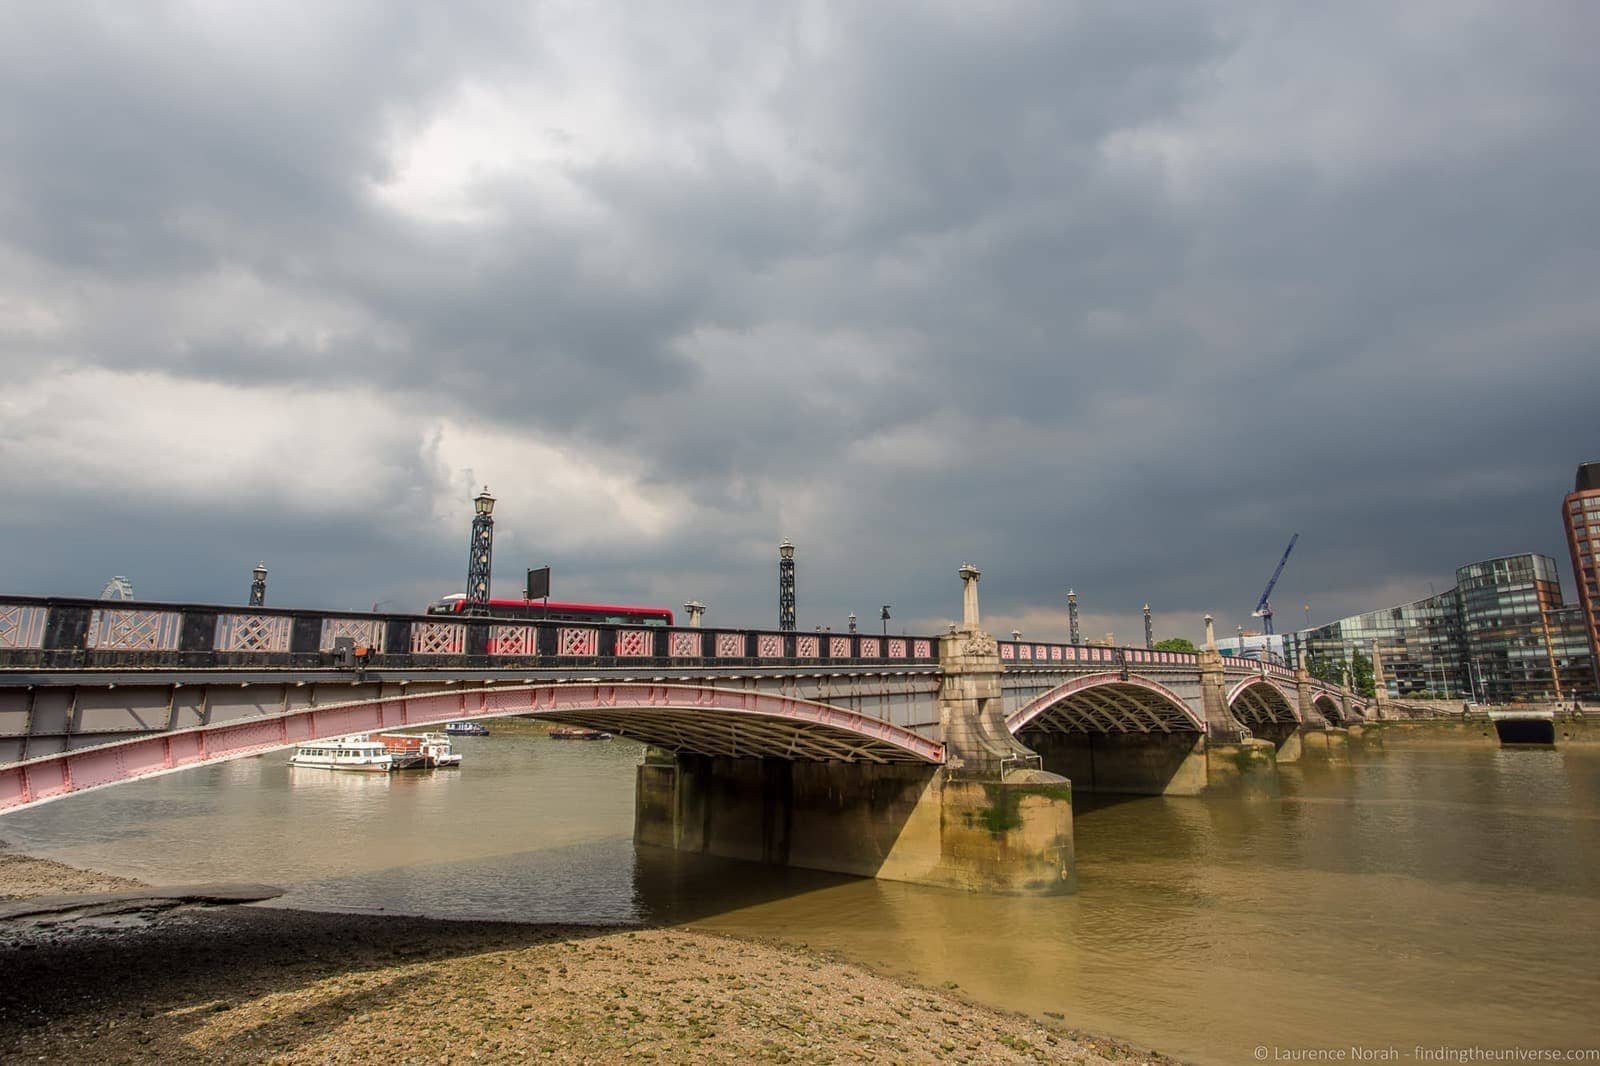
point(259, 984)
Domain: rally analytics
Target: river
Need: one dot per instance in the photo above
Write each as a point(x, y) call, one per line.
point(1443, 896)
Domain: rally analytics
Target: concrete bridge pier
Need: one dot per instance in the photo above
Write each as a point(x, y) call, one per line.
point(1237, 764)
point(1286, 739)
point(990, 819)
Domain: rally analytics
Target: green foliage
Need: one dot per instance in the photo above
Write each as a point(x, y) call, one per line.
point(1361, 676)
point(1335, 672)
point(1174, 644)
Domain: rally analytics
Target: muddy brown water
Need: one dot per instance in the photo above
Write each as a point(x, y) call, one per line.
point(1419, 897)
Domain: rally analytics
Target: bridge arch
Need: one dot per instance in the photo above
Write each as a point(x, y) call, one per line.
point(1330, 708)
point(1107, 703)
point(701, 719)
point(1257, 701)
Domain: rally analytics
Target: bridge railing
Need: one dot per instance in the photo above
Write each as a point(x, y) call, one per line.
point(55, 633)
point(1041, 653)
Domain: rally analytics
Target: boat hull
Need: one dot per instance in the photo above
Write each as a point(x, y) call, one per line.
point(352, 769)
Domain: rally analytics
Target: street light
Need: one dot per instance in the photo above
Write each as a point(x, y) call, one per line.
point(786, 585)
point(482, 552)
point(852, 621)
point(1016, 635)
point(258, 585)
point(884, 615)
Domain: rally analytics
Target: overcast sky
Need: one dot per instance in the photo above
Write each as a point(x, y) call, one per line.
point(1115, 296)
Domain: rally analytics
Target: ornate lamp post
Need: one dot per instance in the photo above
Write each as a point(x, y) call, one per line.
point(884, 614)
point(852, 621)
point(786, 585)
point(695, 609)
point(258, 585)
point(1149, 630)
point(478, 562)
point(1072, 617)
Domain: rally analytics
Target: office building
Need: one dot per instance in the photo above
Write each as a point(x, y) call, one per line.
point(1502, 635)
point(1580, 514)
point(1420, 643)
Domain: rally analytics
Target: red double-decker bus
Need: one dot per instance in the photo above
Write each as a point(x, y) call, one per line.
point(555, 611)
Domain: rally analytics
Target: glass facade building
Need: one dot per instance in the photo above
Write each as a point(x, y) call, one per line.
point(1420, 643)
point(1580, 514)
point(1501, 635)
point(1569, 643)
point(1505, 621)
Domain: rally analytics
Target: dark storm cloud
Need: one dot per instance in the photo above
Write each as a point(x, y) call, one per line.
point(1115, 298)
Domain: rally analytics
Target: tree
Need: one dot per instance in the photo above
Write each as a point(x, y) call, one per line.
point(1174, 644)
point(1361, 679)
point(1328, 671)
point(1333, 672)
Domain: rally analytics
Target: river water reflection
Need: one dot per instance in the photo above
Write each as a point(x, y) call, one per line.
point(1419, 896)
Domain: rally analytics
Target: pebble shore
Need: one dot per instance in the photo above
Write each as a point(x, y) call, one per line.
point(261, 984)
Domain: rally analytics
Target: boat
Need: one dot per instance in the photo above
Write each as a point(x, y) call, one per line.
point(466, 729)
point(576, 732)
point(358, 753)
point(419, 751)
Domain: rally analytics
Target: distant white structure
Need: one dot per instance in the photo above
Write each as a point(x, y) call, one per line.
point(118, 588)
point(1252, 645)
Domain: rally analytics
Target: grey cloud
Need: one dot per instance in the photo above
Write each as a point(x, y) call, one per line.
point(1140, 380)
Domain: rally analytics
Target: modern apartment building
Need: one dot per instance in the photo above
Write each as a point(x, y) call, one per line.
point(1501, 635)
point(1580, 514)
point(1420, 642)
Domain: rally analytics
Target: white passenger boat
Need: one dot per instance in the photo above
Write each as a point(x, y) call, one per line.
point(345, 753)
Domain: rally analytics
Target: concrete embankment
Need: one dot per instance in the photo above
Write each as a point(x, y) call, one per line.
point(1475, 731)
point(254, 984)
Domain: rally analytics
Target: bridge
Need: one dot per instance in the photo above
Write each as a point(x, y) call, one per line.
point(942, 759)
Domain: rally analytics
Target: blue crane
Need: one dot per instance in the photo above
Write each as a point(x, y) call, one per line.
point(1263, 609)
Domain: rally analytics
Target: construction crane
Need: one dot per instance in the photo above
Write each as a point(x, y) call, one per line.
point(1263, 609)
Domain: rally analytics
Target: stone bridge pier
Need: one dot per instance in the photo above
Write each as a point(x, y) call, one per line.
point(1236, 762)
point(988, 819)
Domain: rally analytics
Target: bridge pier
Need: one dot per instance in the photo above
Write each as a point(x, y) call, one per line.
point(899, 822)
point(1237, 764)
point(991, 819)
point(1287, 739)
point(1331, 744)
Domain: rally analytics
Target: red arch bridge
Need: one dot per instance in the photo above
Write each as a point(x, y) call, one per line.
point(93, 694)
point(944, 760)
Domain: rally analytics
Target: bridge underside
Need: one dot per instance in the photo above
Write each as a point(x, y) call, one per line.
point(1269, 713)
point(685, 729)
point(696, 720)
point(1260, 704)
point(1107, 703)
point(1330, 708)
point(1109, 733)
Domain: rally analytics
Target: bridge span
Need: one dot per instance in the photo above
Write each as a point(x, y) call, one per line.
point(944, 759)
